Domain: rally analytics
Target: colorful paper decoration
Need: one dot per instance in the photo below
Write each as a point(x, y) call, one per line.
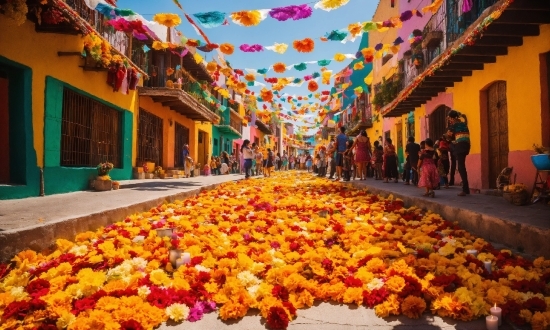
point(227, 49)
point(249, 18)
point(278, 48)
point(300, 67)
point(168, 20)
point(304, 46)
point(279, 67)
point(328, 5)
point(295, 12)
point(312, 86)
point(211, 19)
point(251, 48)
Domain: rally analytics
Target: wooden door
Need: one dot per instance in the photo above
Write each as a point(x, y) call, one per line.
point(149, 138)
point(202, 152)
point(497, 122)
point(438, 122)
point(181, 139)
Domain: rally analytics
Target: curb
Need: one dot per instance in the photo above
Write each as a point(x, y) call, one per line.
point(42, 237)
point(524, 238)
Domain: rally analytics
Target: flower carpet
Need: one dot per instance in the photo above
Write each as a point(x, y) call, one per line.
point(274, 245)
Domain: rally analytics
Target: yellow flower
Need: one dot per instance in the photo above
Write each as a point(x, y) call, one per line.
point(159, 277)
point(178, 312)
point(395, 284)
point(233, 310)
point(65, 320)
point(353, 295)
point(248, 18)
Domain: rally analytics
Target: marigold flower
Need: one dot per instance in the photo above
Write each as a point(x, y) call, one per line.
point(413, 307)
point(304, 46)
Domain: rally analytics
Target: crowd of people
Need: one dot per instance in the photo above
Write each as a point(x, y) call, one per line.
point(429, 165)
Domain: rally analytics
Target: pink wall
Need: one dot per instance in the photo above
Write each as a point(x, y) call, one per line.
point(520, 160)
point(431, 105)
point(414, 23)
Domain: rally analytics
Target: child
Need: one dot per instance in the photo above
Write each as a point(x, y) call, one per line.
point(188, 166)
point(443, 163)
point(213, 166)
point(309, 162)
point(348, 161)
point(429, 178)
point(206, 170)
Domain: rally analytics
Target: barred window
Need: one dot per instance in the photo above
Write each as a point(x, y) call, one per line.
point(149, 138)
point(90, 132)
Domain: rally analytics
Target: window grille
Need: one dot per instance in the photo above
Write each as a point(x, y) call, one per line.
point(90, 132)
point(182, 138)
point(438, 122)
point(149, 138)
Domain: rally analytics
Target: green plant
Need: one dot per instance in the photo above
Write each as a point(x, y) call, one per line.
point(541, 150)
point(388, 91)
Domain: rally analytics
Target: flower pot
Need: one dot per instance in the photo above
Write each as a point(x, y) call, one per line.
point(149, 175)
point(541, 162)
point(162, 175)
point(150, 167)
point(139, 176)
point(103, 185)
point(116, 186)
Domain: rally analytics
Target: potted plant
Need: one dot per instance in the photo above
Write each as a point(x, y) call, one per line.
point(159, 172)
point(116, 185)
point(541, 160)
point(103, 181)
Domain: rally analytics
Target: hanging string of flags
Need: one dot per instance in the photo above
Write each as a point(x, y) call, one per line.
point(249, 18)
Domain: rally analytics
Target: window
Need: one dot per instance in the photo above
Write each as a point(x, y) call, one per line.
point(149, 138)
point(90, 132)
point(438, 122)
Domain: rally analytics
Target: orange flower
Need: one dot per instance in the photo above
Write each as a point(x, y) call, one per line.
point(304, 46)
point(312, 86)
point(413, 307)
point(227, 49)
point(250, 77)
point(279, 67)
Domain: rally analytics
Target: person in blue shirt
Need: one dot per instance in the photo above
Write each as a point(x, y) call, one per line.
point(341, 147)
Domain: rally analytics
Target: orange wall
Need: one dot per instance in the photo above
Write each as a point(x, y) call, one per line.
point(168, 131)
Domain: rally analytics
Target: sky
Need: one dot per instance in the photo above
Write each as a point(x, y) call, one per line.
point(268, 32)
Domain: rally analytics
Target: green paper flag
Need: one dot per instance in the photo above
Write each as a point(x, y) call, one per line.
point(323, 62)
point(300, 67)
point(369, 26)
point(250, 83)
point(262, 71)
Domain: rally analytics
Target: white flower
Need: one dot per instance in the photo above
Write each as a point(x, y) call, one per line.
point(79, 250)
point(138, 239)
point(248, 279)
point(18, 292)
point(139, 263)
point(276, 262)
point(375, 283)
point(143, 291)
point(253, 290)
point(201, 268)
point(177, 312)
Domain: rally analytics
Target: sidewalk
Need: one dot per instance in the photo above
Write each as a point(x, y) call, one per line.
point(36, 222)
point(521, 228)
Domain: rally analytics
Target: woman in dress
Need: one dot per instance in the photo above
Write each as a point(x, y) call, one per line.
point(362, 154)
point(390, 162)
point(429, 178)
point(270, 162)
point(248, 155)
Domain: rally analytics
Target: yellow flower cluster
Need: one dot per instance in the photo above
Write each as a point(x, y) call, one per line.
point(275, 245)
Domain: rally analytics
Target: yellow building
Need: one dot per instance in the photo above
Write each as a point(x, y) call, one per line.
point(495, 71)
point(63, 111)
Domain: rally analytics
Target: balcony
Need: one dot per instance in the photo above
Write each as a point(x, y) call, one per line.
point(234, 106)
point(448, 29)
point(264, 128)
point(183, 102)
point(231, 127)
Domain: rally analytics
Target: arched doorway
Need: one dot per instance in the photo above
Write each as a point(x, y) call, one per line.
point(497, 130)
point(438, 122)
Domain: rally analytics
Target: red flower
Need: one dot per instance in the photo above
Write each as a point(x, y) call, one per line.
point(290, 308)
point(45, 326)
point(38, 288)
point(294, 246)
point(352, 282)
point(280, 292)
point(159, 297)
point(84, 304)
point(17, 309)
point(277, 318)
point(535, 304)
point(375, 297)
point(510, 307)
point(130, 325)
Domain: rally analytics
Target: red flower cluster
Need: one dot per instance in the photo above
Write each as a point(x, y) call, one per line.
point(277, 319)
point(375, 297)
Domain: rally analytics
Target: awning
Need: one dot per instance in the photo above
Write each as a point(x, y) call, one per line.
point(181, 102)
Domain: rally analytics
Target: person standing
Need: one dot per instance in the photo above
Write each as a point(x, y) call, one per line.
point(362, 154)
point(429, 178)
point(331, 154)
point(258, 153)
point(459, 133)
point(270, 163)
point(390, 162)
point(248, 155)
point(412, 150)
point(443, 162)
point(341, 147)
point(185, 153)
